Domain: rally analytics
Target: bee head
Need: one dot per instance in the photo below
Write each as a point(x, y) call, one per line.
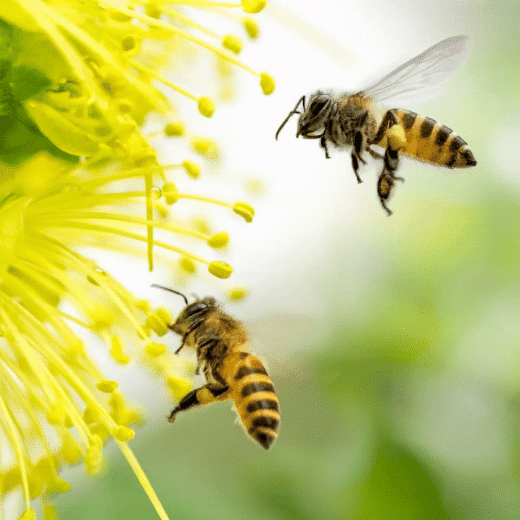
point(315, 116)
point(311, 123)
point(193, 313)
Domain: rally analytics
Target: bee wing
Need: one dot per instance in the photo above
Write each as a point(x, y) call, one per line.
point(281, 335)
point(424, 76)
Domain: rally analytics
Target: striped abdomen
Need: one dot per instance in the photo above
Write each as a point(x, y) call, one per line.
point(255, 399)
point(432, 142)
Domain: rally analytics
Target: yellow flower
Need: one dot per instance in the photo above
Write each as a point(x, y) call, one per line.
point(77, 80)
point(49, 292)
point(85, 72)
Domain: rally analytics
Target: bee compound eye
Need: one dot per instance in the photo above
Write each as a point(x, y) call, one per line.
point(318, 105)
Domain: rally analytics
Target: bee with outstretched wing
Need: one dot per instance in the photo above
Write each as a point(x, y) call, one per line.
point(352, 120)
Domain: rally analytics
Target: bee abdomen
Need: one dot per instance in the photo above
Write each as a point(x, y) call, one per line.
point(433, 142)
point(256, 401)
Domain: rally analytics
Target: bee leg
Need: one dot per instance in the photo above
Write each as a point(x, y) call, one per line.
point(323, 144)
point(357, 150)
point(374, 154)
point(384, 189)
point(204, 395)
point(387, 179)
point(183, 342)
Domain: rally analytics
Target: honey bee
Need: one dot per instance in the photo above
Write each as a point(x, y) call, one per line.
point(353, 120)
point(231, 372)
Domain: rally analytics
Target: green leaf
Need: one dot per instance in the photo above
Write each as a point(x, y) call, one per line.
point(6, 39)
point(5, 65)
point(399, 486)
point(26, 81)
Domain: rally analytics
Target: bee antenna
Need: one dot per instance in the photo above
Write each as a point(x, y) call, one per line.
point(291, 113)
point(170, 290)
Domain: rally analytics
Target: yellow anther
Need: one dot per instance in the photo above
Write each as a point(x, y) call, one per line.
point(396, 137)
point(255, 185)
point(192, 169)
point(116, 351)
point(201, 224)
point(128, 43)
point(70, 448)
point(91, 414)
point(119, 17)
point(93, 458)
point(96, 441)
point(244, 210)
point(170, 192)
point(56, 414)
point(219, 240)
point(123, 434)
point(44, 468)
point(187, 264)
point(29, 514)
point(206, 106)
point(157, 324)
point(253, 6)
point(174, 130)
point(125, 106)
point(238, 293)
point(205, 147)
point(36, 482)
point(101, 431)
point(251, 28)
point(164, 315)
point(49, 512)
point(154, 349)
point(58, 485)
point(107, 386)
point(232, 43)
point(267, 83)
point(220, 269)
point(143, 305)
point(179, 386)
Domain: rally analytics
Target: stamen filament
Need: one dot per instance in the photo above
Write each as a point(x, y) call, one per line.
point(49, 217)
point(205, 199)
point(41, 370)
point(183, 34)
point(28, 409)
point(189, 21)
point(79, 265)
point(13, 435)
point(162, 79)
point(128, 234)
point(141, 476)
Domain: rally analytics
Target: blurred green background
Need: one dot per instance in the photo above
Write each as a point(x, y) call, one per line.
point(407, 406)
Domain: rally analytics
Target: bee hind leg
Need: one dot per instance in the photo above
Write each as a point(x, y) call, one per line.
point(204, 395)
point(387, 179)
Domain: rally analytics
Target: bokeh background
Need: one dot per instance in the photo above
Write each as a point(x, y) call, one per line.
point(393, 342)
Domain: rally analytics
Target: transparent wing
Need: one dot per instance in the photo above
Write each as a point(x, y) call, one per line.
point(424, 76)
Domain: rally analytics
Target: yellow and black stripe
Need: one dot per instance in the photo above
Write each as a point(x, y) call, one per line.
point(255, 399)
point(427, 140)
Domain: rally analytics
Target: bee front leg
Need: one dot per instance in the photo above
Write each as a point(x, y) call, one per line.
point(204, 395)
point(323, 144)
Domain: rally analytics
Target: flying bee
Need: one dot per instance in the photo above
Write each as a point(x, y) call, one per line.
point(357, 121)
point(231, 372)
